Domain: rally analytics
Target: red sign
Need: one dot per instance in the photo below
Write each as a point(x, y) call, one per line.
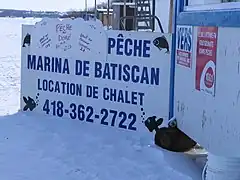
point(206, 59)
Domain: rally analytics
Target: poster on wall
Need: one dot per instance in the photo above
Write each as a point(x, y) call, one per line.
point(184, 46)
point(206, 59)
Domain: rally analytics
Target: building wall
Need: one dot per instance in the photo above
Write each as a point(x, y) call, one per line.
point(198, 2)
point(163, 6)
point(162, 12)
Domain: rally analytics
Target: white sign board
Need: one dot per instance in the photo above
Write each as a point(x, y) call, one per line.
point(111, 78)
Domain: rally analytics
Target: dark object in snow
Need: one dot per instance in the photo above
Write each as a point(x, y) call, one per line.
point(173, 139)
point(170, 138)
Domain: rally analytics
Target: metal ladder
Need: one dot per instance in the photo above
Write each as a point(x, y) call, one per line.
point(143, 12)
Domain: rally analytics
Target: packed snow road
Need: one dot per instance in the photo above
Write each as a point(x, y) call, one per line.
point(36, 148)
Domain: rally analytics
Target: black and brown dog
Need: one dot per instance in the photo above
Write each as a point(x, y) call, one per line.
point(170, 138)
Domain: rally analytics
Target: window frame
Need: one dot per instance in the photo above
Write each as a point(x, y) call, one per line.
point(211, 7)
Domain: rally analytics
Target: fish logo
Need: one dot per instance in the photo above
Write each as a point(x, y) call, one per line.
point(161, 43)
point(30, 103)
point(27, 40)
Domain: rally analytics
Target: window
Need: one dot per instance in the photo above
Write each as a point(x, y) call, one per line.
point(211, 4)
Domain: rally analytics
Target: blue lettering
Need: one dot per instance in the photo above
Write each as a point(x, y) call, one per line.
point(53, 64)
point(58, 62)
point(135, 78)
point(107, 117)
point(106, 72)
point(114, 68)
point(51, 89)
point(111, 44)
point(127, 73)
point(95, 92)
point(98, 70)
point(121, 96)
point(47, 61)
point(144, 77)
point(119, 72)
point(129, 47)
point(31, 62)
point(65, 67)
point(82, 68)
point(141, 96)
point(146, 48)
point(128, 50)
point(106, 94)
point(134, 98)
point(120, 46)
point(59, 87)
point(92, 91)
point(184, 38)
point(40, 63)
point(155, 76)
point(137, 48)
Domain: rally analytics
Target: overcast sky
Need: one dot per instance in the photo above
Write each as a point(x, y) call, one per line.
point(60, 5)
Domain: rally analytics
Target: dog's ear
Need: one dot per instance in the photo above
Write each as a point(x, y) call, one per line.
point(25, 108)
point(25, 99)
point(153, 117)
point(159, 121)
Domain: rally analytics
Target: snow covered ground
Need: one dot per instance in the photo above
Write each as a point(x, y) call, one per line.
point(36, 148)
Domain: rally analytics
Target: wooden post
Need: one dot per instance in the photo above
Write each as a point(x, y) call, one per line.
point(86, 9)
point(108, 13)
point(95, 10)
point(170, 16)
point(124, 13)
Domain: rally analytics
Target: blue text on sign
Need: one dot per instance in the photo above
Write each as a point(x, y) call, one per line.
point(107, 117)
point(129, 47)
point(184, 38)
point(110, 71)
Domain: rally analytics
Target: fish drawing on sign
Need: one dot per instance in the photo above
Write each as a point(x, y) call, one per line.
point(30, 103)
point(27, 40)
point(161, 43)
point(45, 41)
